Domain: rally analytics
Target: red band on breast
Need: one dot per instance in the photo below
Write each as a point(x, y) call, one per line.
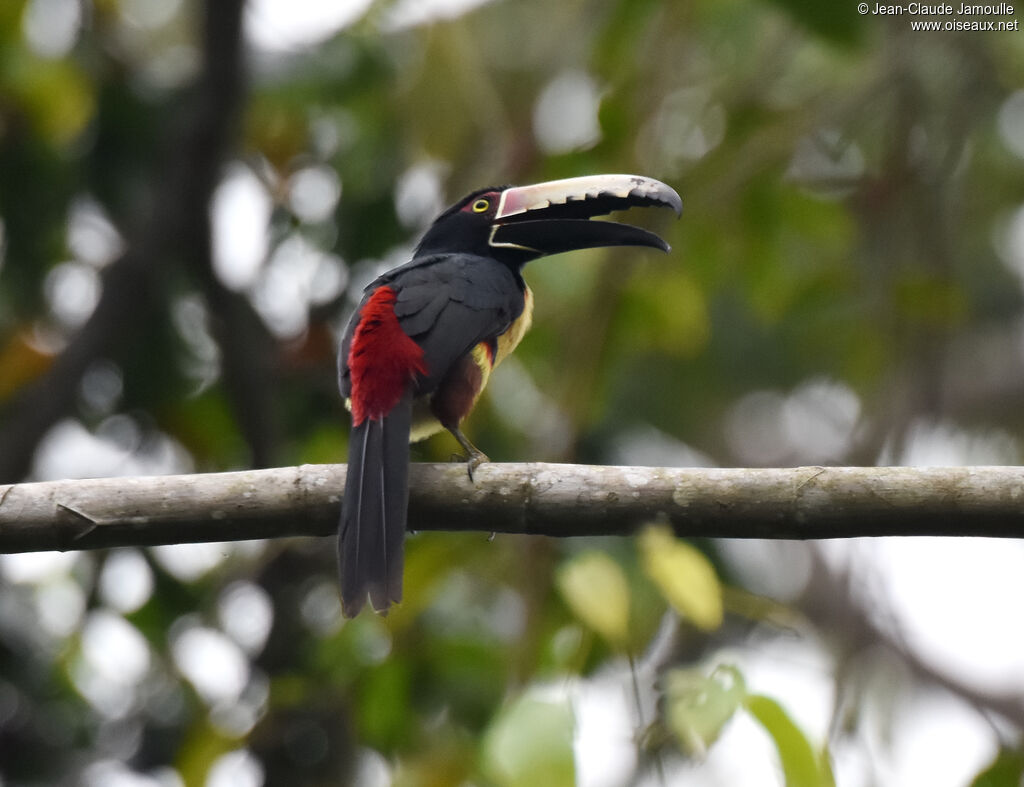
point(382, 359)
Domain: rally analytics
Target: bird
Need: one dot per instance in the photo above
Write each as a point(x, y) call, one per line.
point(425, 336)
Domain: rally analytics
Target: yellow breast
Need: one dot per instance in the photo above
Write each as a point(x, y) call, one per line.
point(509, 340)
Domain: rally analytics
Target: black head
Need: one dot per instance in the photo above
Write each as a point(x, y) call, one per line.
point(465, 226)
point(516, 224)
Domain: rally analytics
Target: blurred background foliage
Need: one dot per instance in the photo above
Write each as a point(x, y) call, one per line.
point(184, 232)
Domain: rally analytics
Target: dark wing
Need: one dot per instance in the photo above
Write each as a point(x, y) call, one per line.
point(448, 304)
point(386, 278)
point(453, 305)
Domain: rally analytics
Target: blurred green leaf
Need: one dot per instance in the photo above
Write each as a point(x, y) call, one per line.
point(596, 590)
point(684, 575)
point(202, 744)
point(1006, 770)
point(801, 765)
point(698, 706)
point(929, 299)
point(449, 761)
point(835, 20)
point(530, 743)
point(667, 312)
point(55, 93)
point(21, 362)
point(384, 704)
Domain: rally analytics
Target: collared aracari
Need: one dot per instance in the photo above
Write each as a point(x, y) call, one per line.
point(426, 335)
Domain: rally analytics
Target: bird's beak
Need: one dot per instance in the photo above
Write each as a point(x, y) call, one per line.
point(552, 217)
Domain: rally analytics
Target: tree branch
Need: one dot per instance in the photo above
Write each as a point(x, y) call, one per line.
point(539, 499)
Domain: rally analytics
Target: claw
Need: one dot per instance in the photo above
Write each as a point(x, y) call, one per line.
point(474, 456)
point(474, 460)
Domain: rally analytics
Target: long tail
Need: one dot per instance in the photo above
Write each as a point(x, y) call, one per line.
point(373, 511)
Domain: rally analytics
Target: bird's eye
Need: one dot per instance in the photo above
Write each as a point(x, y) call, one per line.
point(481, 206)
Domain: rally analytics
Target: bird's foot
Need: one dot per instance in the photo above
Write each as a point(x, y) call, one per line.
point(475, 458)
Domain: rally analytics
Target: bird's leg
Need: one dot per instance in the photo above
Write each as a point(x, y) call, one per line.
point(474, 456)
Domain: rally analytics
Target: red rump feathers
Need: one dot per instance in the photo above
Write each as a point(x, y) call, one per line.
point(382, 359)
